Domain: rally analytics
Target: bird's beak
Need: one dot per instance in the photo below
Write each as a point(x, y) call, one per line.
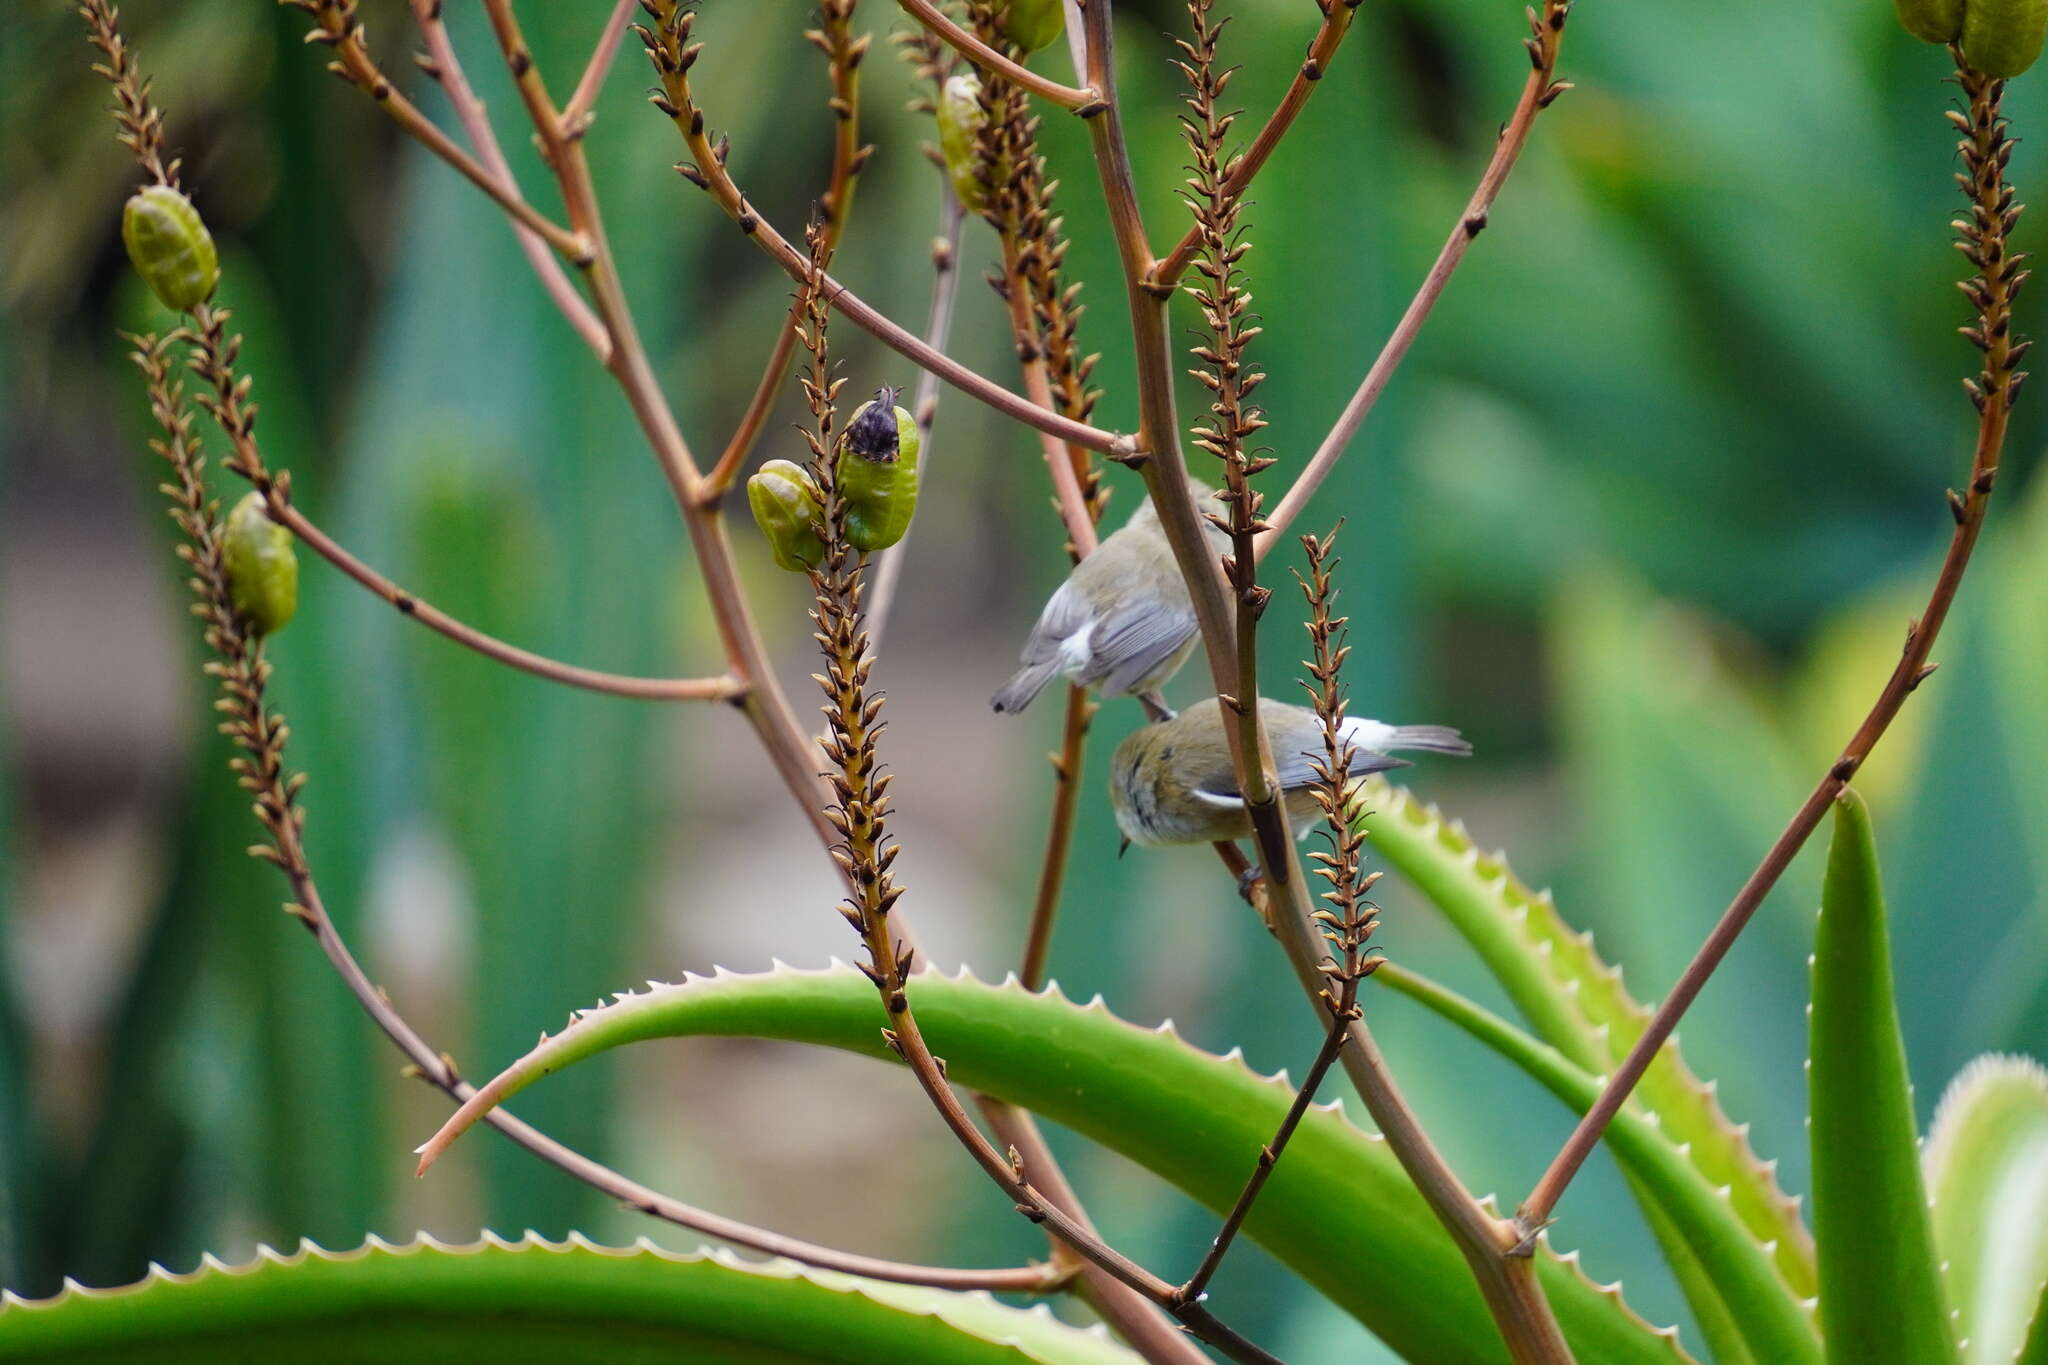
point(1123, 848)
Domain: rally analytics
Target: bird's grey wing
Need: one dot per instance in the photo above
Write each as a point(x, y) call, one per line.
point(1131, 643)
point(1066, 615)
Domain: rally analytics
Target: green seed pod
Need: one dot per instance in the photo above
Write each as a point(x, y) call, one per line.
point(170, 246)
point(1931, 21)
point(961, 119)
point(788, 509)
point(2003, 37)
point(263, 571)
point(878, 473)
point(1032, 24)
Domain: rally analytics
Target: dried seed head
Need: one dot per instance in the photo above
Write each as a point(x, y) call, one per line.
point(170, 246)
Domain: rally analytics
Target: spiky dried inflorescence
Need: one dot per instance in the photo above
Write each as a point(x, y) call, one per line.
point(1350, 918)
point(860, 790)
point(930, 61)
point(240, 666)
point(1019, 206)
point(1225, 303)
point(1983, 236)
point(843, 55)
point(141, 121)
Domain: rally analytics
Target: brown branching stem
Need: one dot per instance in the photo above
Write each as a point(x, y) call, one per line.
point(1507, 1284)
point(1984, 241)
point(1350, 921)
point(441, 63)
point(259, 735)
point(668, 46)
point(337, 28)
point(576, 113)
point(1538, 93)
point(1247, 163)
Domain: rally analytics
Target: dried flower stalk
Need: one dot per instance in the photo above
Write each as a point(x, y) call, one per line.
point(1984, 240)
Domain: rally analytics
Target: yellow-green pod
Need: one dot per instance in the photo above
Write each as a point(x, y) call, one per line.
point(1032, 24)
point(262, 569)
point(877, 473)
point(1931, 21)
point(170, 246)
point(788, 509)
point(2003, 37)
point(961, 119)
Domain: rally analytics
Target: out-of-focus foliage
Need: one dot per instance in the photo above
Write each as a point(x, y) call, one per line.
point(1645, 515)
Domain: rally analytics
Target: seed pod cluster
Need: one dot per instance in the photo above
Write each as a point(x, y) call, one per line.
point(170, 247)
point(1998, 38)
point(262, 569)
point(877, 473)
point(788, 510)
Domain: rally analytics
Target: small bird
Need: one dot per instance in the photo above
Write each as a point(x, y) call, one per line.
point(1122, 622)
point(1172, 782)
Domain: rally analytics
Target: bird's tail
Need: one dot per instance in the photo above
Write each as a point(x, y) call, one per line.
point(1434, 739)
point(1030, 680)
point(1373, 736)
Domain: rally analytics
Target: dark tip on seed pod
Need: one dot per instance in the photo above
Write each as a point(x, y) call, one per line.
point(877, 473)
point(872, 434)
point(170, 247)
point(262, 568)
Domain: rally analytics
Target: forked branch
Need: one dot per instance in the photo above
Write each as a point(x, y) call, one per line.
point(1985, 243)
point(1538, 93)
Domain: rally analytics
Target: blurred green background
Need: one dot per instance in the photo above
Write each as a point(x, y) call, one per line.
point(1645, 514)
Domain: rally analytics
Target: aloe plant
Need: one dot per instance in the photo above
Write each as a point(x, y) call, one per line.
point(1909, 1258)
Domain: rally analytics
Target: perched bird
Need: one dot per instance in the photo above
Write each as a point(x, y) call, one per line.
point(1172, 782)
point(1123, 621)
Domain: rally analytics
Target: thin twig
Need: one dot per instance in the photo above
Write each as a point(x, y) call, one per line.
point(1538, 93)
point(276, 489)
point(1246, 164)
point(924, 404)
point(445, 67)
point(575, 114)
point(2000, 273)
point(337, 28)
point(1059, 837)
point(993, 62)
point(843, 54)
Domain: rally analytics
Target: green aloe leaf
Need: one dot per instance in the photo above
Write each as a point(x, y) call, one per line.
point(1774, 1325)
point(530, 1301)
point(1577, 1003)
point(1986, 1163)
point(1880, 1287)
point(1338, 1210)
